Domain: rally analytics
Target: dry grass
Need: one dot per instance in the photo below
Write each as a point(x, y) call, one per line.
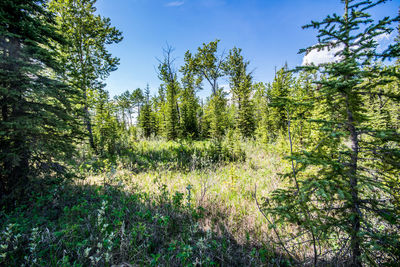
point(224, 190)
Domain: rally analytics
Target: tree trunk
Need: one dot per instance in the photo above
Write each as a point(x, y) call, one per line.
point(355, 241)
point(356, 213)
point(88, 123)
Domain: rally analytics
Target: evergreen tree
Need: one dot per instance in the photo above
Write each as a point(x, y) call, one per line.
point(37, 123)
point(146, 116)
point(301, 109)
point(279, 94)
point(106, 130)
point(159, 107)
point(341, 190)
point(241, 88)
point(189, 101)
point(216, 115)
point(168, 75)
point(261, 111)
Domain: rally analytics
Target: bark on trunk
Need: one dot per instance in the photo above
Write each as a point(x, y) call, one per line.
point(88, 123)
point(355, 210)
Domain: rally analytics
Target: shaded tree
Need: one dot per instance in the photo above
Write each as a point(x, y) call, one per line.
point(38, 128)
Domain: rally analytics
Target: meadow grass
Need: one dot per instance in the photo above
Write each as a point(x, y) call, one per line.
point(161, 203)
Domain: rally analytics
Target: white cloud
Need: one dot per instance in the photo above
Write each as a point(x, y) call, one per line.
point(327, 56)
point(323, 56)
point(175, 3)
point(382, 37)
point(384, 40)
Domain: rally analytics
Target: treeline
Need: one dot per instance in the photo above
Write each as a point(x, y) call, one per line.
point(250, 109)
point(177, 112)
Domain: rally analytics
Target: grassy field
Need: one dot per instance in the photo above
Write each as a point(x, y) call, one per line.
point(162, 203)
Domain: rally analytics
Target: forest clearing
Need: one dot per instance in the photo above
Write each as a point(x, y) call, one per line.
point(212, 167)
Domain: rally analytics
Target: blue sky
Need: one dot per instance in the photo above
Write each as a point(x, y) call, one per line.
point(268, 31)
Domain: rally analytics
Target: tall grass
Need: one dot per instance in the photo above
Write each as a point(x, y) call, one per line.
point(161, 203)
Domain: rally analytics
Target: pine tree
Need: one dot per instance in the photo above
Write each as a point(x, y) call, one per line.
point(241, 88)
point(146, 117)
point(106, 129)
point(189, 102)
point(261, 111)
point(168, 75)
point(278, 95)
point(37, 124)
point(216, 115)
point(340, 187)
point(159, 107)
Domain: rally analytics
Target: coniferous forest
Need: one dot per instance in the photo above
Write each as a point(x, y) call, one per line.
point(303, 170)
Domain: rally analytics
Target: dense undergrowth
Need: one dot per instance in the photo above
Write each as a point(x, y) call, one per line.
point(162, 203)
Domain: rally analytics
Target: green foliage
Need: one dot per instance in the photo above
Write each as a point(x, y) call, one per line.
point(183, 156)
point(278, 95)
point(189, 101)
point(146, 118)
point(215, 114)
point(84, 56)
point(209, 65)
point(38, 128)
point(159, 112)
point(233, 143)
point(261, 111)
point(106, 129)
point(241, 88)
point(188, 200)
point(81, 224)
point(340, 185)
point(168, 75)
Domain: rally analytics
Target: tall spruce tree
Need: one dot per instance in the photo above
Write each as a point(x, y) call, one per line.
point(215, 115)
point(146, 115)
point(159, 111)
point(168, 75)
point(240, 82)
point(106, 129)
point(261, 111)
point(341, 190)
point(37, 126)
point(279, 95)
point(189, 102)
